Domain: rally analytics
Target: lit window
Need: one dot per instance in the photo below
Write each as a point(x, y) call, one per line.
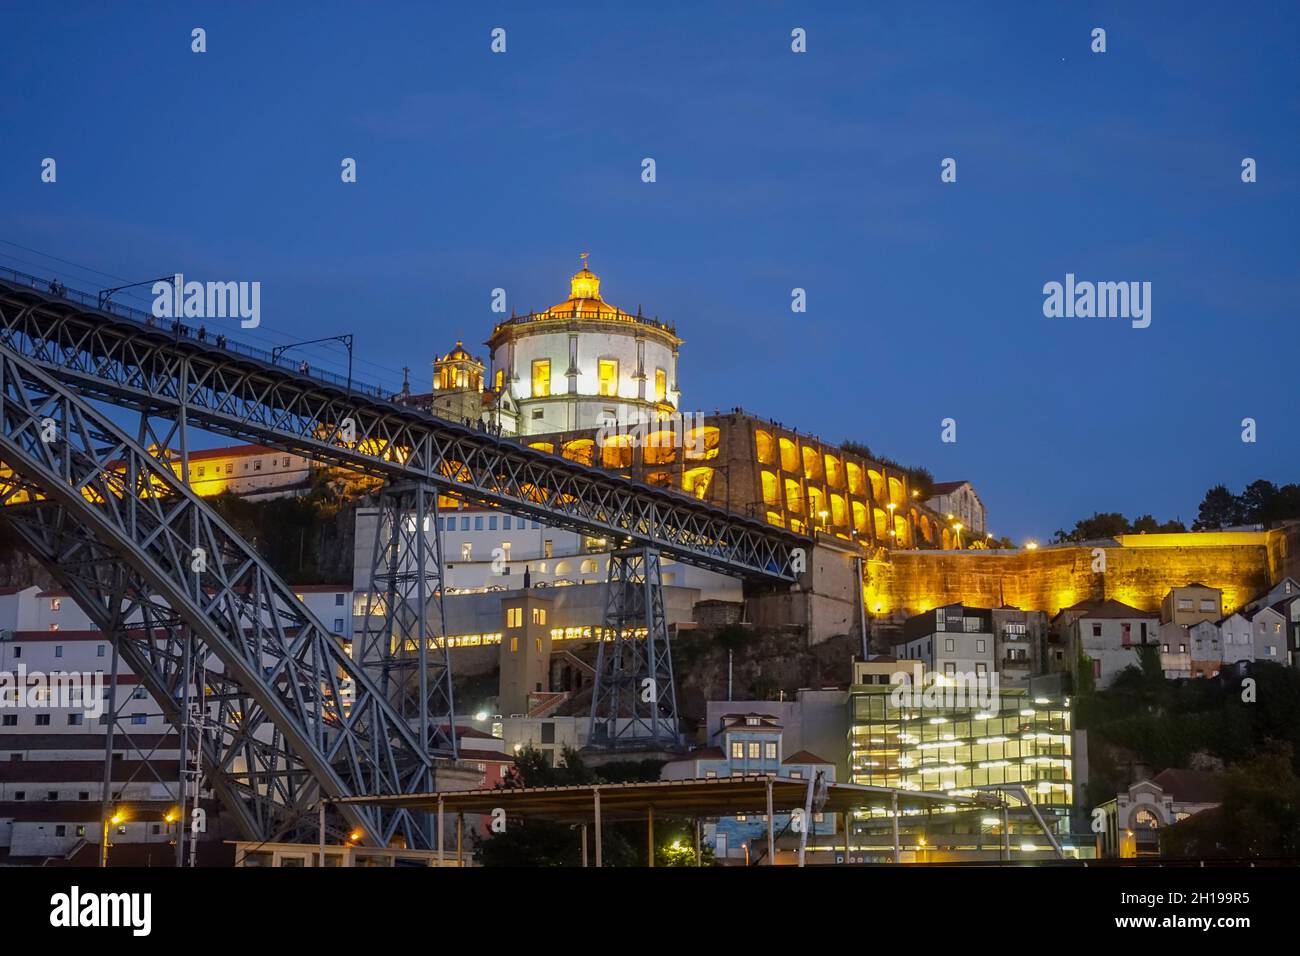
point(769, 750)
point(753, 750)
point(514, 617)
point(539, 615)
point(737, 750)
point(541, 378)
point(661, 385)
point(608, 376)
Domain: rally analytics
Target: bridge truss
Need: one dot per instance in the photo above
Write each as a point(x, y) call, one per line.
point(114, 525)
point(147, 560)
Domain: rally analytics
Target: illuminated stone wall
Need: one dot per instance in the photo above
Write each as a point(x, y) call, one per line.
point(755, 467)
point(1137, 573)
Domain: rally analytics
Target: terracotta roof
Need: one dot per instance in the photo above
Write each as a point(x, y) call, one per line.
point(1109, 608)
point(467, 732)
point(704, 753)
point(235, 451)
point(803, 756)
point(944, 487)
point(1190, 786)
point(486, 755)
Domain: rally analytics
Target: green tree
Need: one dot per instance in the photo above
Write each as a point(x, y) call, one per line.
point(1259, 817)
point(1256, 502)
point(1100, 525)
point(1149, 525)
point(1084, 683)
point(1219, 509)
point(536, 842)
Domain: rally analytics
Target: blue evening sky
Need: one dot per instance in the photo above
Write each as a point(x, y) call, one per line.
point(775, 170)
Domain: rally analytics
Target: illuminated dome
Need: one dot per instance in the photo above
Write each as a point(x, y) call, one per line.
point(584, 298)
point(583, 362)
point(458, 354)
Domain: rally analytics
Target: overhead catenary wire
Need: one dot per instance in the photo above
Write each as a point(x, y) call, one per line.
point(318, 356)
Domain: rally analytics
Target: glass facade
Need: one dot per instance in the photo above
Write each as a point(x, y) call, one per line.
point(934, 742)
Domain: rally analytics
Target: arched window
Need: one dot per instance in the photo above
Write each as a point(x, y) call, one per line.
point(1145, 819)
point(834, 472)
point(812, 464)
point(789, 456)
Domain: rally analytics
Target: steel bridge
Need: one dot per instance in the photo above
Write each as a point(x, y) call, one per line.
point(210, 629)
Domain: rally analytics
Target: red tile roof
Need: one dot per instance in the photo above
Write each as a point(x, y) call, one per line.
point(803, 756)
point(944, 487)
point(1109, 608)
point(1190, 786)
point(236, 451)
point(704, 753)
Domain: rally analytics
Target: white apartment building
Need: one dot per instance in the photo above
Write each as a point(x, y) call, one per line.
point(953, 640)
point(52, 743)
point(1107, 634)
point(487, 550)
point(957, 501)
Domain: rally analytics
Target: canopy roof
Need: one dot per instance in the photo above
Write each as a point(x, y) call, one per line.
point(720, 796)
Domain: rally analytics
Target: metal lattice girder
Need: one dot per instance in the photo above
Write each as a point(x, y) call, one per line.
point(133, 545)
point(108, 355)
point(405, 624)
point(634, 702)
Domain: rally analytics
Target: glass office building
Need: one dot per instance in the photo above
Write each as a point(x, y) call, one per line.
point(950, 743)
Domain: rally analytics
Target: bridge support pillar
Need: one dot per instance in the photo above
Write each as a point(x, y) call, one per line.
point(634, 701)
point(402, 633)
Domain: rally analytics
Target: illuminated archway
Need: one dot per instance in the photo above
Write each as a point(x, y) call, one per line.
point(581, 450)
point(789, 456)
point(812, 464)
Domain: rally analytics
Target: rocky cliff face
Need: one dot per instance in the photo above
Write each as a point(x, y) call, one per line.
point(763, 663)
point(17, 569)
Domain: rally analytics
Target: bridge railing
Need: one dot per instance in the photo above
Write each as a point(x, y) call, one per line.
point(182, 331)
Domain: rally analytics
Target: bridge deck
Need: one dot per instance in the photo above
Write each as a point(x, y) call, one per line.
point(124, 356)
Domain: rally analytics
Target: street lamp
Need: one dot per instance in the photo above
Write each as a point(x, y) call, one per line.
point(115, 819)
